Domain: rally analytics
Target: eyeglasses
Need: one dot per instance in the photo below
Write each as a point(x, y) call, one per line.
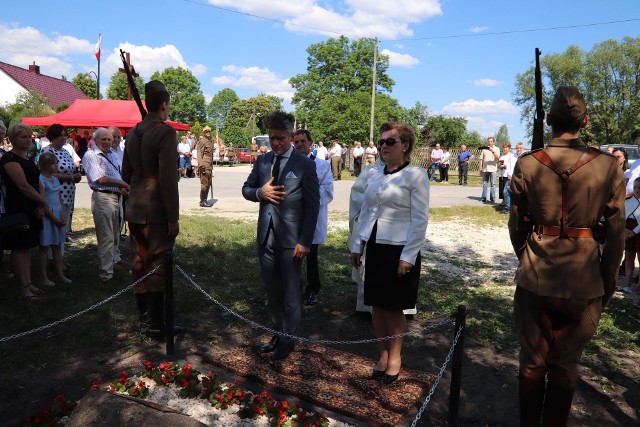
point(389, 141)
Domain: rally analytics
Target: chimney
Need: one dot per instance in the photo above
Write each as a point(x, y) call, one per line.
point(35, 69)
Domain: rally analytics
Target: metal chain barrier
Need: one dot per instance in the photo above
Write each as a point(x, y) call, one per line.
point(73, 316)
point(304, 339)
point(438, 378)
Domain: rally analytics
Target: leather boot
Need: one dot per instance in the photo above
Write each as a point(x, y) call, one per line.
point(155, 314)
point(557, 404)
point(204, 203)
point(142, 302)
point(531, 400)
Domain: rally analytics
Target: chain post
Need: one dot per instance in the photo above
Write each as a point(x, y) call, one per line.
point(456, 367)
point(168, 302)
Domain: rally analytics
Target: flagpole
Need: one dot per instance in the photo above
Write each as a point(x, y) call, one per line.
point(99, 55)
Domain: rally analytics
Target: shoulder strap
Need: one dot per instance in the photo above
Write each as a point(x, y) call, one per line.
point(544, 158)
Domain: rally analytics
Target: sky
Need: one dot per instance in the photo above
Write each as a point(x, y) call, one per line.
point(459, 58)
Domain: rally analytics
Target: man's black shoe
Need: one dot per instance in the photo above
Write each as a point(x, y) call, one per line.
point(283, 351)
point(483, 200)
point(205, 204)
point(271, 345)
point(312, 298)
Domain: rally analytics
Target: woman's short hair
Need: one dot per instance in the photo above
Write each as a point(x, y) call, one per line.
point(54, 131)
point(406, 135)
point(16, 129)
point(506, 144)
point(46, 159)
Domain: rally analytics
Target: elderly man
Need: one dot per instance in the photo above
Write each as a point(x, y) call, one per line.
point(150, 165)
point(103, 174)
point(205, 166)
point(285, 184)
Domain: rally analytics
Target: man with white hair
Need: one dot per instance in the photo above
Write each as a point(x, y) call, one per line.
point(103, 175)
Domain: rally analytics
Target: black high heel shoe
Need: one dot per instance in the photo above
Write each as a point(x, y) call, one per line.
point(377, 374)
point(388, 379)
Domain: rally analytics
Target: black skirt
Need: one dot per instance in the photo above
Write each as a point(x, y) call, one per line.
point(382, 287)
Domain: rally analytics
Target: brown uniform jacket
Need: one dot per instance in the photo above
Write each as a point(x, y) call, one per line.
point(567, 267)
point(149, 166)
point(205, 152)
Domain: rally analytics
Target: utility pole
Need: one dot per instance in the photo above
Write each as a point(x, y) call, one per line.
point(373, 88)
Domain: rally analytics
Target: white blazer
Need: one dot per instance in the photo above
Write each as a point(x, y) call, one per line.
point(399, 203)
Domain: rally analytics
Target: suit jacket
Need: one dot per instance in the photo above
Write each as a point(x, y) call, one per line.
point(569, 267)
point(294, 219)
point(399, 204)
point(150, 167)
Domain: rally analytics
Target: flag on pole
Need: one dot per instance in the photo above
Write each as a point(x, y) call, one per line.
point(97, 47)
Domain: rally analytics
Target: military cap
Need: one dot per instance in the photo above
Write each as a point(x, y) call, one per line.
point(154, 86)
point(568, 104)
point(206, 128)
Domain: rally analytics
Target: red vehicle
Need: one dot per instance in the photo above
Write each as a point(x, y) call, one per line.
point(243, 155)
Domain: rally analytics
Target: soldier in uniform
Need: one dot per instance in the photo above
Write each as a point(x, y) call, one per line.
point(205, 166)
point(558, 195)
point(149, 166)
point(231, 154)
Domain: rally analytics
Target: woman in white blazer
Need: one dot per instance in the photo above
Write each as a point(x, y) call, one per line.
point(391, 228)
point(632, 236)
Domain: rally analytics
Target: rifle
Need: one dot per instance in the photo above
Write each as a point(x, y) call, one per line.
point(537, 140)
point(132, 85)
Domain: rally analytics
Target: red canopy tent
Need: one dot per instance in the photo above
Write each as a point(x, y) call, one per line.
point(92, 113)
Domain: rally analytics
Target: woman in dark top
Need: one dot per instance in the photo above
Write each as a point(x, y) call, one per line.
point(20, 176)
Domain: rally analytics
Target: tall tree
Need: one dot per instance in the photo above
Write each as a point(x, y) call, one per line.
point(86, 83)
point(503, 135)
point(608, 76)
point(447, 131)
point(247, 114)
point(28, 104)
point(220, 105)
point(187, 100)
point(119, 86)
point(337, 68)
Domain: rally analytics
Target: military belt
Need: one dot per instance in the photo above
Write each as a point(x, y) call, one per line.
point(553, 230)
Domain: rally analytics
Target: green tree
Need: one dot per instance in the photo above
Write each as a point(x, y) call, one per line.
point(503, 135)
point(187, 100)
point(336, 69)
point(447, 131)
point(28, 104)
point(220, 105)
point(247, 114)
point(473, 139)
point(607, 75)
point(86, 83)
point(119, 86)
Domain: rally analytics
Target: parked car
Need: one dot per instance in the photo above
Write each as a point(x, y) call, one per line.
point(243, 155)
point(631, 149)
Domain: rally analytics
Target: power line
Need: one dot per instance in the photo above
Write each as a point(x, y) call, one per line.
point(452, 36)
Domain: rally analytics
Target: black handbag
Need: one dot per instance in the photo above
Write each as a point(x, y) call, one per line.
point(14, 222)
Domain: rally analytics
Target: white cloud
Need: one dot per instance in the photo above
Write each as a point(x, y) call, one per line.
point(478, 29)
point(486, 82)
point(259, 79)
point(355, 18)
point(198, 69)
point(400, 59)
point(145, 59)
point(472, 107)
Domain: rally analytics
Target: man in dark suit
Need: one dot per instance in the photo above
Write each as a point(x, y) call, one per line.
point(565, 278)
point(150, 165)
point(285, 184)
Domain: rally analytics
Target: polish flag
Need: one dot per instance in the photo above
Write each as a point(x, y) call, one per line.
point(97, 47)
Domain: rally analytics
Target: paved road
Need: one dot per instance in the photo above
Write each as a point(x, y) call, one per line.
point(227, 185)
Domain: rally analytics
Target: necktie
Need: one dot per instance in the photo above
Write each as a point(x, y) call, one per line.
point(275, 172)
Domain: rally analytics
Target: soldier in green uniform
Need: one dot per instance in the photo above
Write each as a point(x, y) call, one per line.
point(205, 165)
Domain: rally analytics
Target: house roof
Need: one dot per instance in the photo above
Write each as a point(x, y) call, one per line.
point(92, 113)
point(57, 91)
